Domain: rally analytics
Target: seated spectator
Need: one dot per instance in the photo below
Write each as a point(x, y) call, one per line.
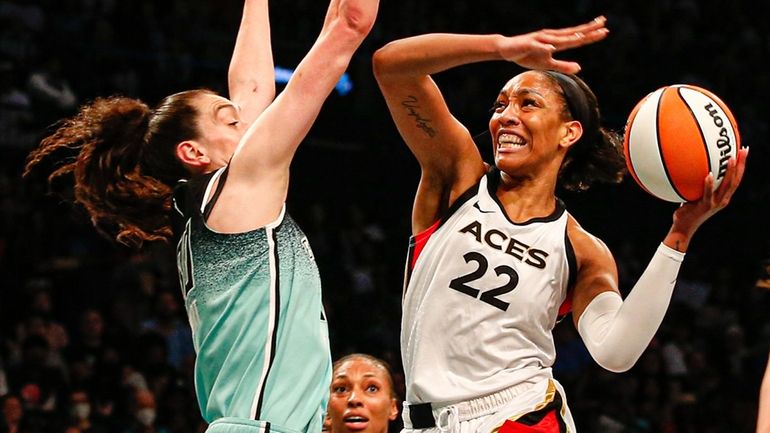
point(50, 91)
point(12, 412)
point(143, 414)
point(80, 414)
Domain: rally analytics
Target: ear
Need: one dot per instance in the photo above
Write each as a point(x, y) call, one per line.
point(327, 424)
point(393, 414)
point(572, 131)
point(191, 154)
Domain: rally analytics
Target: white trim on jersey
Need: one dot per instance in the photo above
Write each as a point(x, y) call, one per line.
point(173, 200)
point(209, 188)
point(271, 322)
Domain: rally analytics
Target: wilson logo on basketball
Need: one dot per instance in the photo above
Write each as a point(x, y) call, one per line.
point(723, 141)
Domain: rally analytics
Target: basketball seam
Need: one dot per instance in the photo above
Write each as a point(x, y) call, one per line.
point(628, 142)
point(660, 146)
point(700, 129)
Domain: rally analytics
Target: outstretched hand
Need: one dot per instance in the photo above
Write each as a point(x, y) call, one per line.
point(689, 216)
point(535, 50)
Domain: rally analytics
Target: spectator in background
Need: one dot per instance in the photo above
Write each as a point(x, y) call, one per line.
point(50, 91)
point(89, 340)
point(143, 413)
point(80, 412)
point(12, 413)
point(168, 322)
point(34, 380)
point(15, 109)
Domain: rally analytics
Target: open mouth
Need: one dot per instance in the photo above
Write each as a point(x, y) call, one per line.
point(356, 422)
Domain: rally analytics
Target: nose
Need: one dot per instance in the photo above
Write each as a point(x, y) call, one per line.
point(354, 400)
point(510, 116)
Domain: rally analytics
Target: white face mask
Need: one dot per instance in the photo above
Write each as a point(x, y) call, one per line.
point(81, 411)
point(146, 416)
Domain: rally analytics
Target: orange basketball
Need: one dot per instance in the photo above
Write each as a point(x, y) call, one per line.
point(675, 137)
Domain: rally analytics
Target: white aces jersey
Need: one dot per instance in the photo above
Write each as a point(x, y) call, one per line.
point(482, 296)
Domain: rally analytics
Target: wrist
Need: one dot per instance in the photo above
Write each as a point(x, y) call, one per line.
point(498, 41)
point(677, 240)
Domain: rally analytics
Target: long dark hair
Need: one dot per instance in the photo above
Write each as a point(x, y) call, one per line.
point(598, 155)
point(124, 165)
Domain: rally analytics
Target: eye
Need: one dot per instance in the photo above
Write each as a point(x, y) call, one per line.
point(234, 123)
point(498, 106)
point(372, 388)
point(529, 102)
point(338, 389)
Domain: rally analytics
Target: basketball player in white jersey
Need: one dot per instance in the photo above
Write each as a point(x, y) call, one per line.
point(495, 258)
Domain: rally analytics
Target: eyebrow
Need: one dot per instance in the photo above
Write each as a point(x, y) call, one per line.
point(219, 108)
point(345, 376)
point(529, 91)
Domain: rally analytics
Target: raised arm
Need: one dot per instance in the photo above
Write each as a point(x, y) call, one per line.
point(763, 418)
point(258, 182)
point(448, 157)
point(616, 331)
point(251, 76)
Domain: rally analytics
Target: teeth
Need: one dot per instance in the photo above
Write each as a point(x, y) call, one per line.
point(510, 139)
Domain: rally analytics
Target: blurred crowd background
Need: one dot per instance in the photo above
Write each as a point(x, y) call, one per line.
point(93, 337)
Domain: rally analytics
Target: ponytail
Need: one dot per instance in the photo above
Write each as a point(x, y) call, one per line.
point(598, 155)
point(110, 139)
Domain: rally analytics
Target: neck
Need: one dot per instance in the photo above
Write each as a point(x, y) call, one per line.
point(526, 197)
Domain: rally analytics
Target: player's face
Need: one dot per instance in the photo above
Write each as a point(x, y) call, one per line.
point(527, 124)
point(360, 399)
point(220, 127)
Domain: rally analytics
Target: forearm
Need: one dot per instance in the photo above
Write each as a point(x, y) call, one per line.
point(251, 76)
point(616, 332)
point(433, 53)
point(763, 420)
point(270, 143)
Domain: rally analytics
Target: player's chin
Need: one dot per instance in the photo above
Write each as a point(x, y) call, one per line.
point(509, 163)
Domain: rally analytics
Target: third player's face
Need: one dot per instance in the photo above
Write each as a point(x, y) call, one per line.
point(360, 399)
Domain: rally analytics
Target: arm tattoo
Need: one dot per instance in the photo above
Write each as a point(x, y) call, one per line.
point(411, 105)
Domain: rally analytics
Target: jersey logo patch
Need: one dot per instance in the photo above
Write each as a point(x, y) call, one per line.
point(306, 246)
point(476, 205)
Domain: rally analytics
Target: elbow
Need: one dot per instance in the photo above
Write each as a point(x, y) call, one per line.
point(615, 362)
point(383, 62)
point(379, 62)
point(357, 20)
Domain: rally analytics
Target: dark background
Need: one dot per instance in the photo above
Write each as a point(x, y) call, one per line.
point(80, 314)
